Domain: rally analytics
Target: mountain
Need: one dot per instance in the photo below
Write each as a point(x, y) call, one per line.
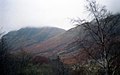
point(24, 37)
point(58, 45)
point(62, 44)
point(46, 41)
point(51, 42)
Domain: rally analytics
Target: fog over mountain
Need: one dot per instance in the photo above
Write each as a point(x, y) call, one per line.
point(15, 14)
point(30, 36)
point(51, 41)
point(59, 37)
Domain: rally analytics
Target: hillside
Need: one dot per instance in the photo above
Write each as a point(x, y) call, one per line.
point(46, 41)
point(51, 42)
point(57, 43)
point(63, 46)
point(25, 37)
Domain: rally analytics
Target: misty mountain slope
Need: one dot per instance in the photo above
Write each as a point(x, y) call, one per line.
point(50, 42)
point(57, 45)
point(29, 36)
point(61, 44)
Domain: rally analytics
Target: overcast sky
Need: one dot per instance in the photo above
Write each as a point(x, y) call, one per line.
point(15, 14)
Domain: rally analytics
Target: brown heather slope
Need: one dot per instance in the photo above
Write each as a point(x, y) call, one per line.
point(64, 44)
point(58, 45)
point(47, 42)
point(29, 36)
point(55, 44)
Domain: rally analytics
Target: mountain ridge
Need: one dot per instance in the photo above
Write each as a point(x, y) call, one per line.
point(29, 36)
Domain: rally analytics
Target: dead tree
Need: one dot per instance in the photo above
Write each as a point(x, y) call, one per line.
point(101, 41)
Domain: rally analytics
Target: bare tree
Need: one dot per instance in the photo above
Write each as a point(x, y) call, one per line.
point(101, 41)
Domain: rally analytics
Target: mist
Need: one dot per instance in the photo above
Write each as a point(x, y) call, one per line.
point(15, 14)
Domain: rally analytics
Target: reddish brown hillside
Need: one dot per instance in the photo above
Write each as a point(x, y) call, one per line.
point(55, 45)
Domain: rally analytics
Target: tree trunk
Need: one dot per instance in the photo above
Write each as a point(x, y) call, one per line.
point(106, 72)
